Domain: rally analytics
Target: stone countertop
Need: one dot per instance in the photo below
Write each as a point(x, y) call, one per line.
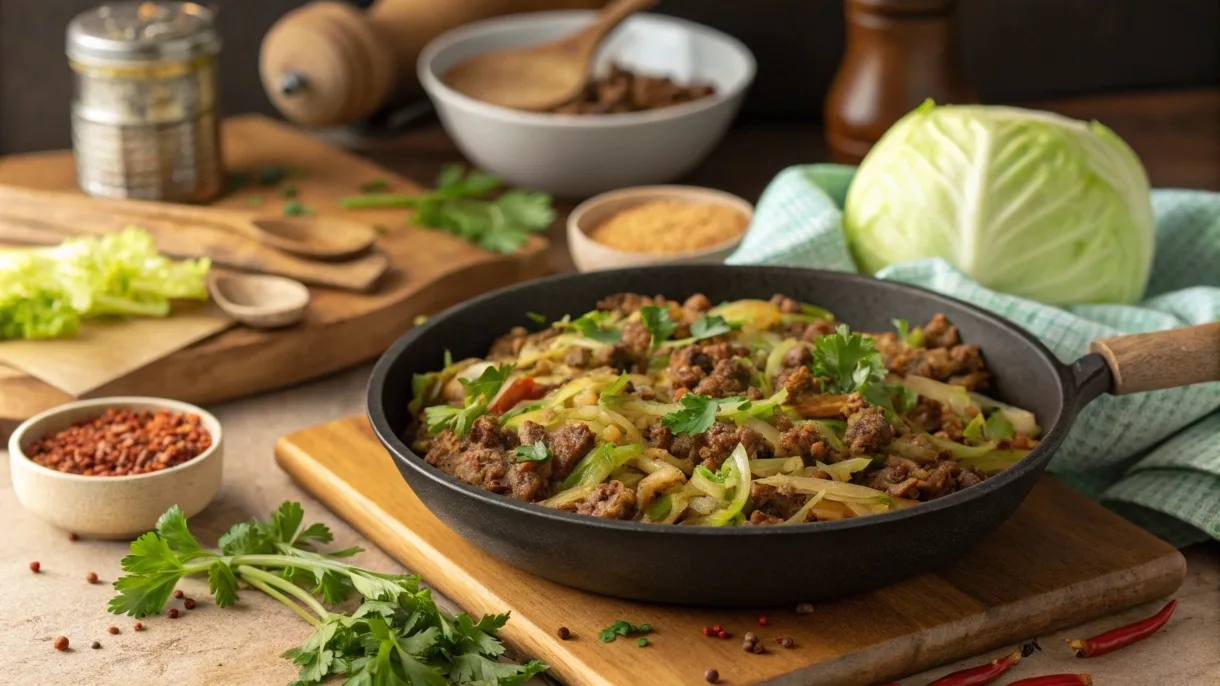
point(241, 644)
point(1176, 134)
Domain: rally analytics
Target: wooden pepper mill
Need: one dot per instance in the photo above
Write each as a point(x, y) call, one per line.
point(899, 53)
point(329, 63)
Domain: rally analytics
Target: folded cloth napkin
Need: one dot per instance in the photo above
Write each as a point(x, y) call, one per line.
point(1153, 457)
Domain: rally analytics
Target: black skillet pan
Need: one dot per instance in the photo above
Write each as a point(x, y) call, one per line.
point(771, 564)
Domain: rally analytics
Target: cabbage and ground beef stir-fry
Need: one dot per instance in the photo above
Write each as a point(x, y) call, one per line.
point(745, 413)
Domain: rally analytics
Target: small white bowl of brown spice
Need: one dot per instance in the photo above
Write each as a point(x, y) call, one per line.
point(649, 225)
point(108, 468)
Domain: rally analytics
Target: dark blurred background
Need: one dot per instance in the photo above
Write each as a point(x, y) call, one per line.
point(1012, 51)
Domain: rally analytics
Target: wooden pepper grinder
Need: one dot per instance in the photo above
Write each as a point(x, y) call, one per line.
point(329, 63)
point(899, 53)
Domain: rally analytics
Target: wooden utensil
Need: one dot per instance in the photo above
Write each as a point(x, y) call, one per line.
point(540, 77)
point(45, 218)
point(260, 301)
point(325, 238)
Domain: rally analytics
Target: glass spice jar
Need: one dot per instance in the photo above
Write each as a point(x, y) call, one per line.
point(144, 114)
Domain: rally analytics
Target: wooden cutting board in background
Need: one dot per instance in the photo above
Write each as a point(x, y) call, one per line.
point(430, 271)
point(1060, 560)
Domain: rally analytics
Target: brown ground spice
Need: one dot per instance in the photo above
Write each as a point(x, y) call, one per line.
point(670, 227)
point(121, 442)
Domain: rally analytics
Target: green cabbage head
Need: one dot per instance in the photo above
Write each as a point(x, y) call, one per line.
point(1027, 203)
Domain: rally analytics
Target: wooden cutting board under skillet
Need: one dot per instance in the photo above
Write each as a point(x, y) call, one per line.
point(428, 272)
point(1059, 561)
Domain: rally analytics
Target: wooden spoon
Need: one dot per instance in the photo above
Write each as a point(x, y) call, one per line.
point(321, 238)
point(260, 301)
point(540, 77)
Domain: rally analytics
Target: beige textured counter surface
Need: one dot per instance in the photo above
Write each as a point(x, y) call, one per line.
point(240, 645)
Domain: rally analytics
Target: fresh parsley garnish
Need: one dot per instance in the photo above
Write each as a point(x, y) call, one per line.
point(487, 384)
point(848, 360)
point(537, 452)
point(397, 636)
point(479, 393)
point(622, 628)
point(592, 325)
point(656, 320)
point(458, 206)
point(708, 326)
point(697, 415)
point(292, 208)
point(535, 317)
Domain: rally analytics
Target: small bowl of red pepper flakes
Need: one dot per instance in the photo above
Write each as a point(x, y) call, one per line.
point(108, 468)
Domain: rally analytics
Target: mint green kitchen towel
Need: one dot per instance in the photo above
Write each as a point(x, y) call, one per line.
point(1153, 457)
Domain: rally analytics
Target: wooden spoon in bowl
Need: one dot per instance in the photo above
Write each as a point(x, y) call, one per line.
point(540, 77)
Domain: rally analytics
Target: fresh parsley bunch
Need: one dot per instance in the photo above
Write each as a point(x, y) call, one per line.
point(460, 206)
point(396, 637)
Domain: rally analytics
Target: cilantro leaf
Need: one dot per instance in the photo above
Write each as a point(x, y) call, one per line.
point(488, 383)
point(697, 415)
point(222, 583)
point(622, 628)
point(656, 320)
point(171, 526)
point(286, 520)
point(537, 452)
point(152, 572)
point(706, 327)
point(292, 208)
point(247, 538)
point(458, 419)
point(590, 325)
point(848, 359)
point(318, 532)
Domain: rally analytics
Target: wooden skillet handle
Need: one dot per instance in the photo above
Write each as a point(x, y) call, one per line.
point(1162, 359)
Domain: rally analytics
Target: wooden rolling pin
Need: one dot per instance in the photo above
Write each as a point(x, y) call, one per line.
point(329, 63)
point(46, 218)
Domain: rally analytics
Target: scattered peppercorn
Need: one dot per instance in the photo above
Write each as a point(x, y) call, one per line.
point(763, 621)
point(178, 593)
point(71, 536)
point(707, 631)
point(564, 633)
point(91, 577)
point(61, 642)
point(138, 626)
point(804, 609)
point(758, 649)
point(786, 642)
point(173, 613)
point(722, 634)
point(711, 676)
point(123, 442)
point(113, 629)
point(189, 603)
point(35, 566)
point(716, 628)
point(95, 645)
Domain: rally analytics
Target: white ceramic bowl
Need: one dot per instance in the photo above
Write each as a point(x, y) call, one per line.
point(589, 255)
point(579, 155)
point(112, 506)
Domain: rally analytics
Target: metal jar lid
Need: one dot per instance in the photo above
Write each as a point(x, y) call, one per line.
point(141, 32)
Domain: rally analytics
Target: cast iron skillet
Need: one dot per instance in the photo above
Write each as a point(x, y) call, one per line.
point(771, 564)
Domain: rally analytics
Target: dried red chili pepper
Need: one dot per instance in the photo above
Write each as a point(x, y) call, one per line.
point(1122, 636)
point(1056, 680)
point(985, 674)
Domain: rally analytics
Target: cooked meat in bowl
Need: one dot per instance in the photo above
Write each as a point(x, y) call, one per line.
point(745, 413)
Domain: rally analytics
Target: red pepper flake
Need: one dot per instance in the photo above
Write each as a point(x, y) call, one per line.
point(173, 613)
point(95, 645)
point(189, 603)
point(71, 536)
point(711, 676)
point(122, 442)
point(763, 621)
point(178, 593)
point(985, 674)
point(1124, 635)
point(61, 643)
point(35, 566)
point(138, 626)
point(1056, 680)
point(707, 631)
point(91, 577)
point(112, 629)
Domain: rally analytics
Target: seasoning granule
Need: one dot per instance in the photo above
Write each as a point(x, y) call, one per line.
point(669, 227)
point(121, 442)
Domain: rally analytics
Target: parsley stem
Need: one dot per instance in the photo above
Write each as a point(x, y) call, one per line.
point(282, 598)
point(247, 572)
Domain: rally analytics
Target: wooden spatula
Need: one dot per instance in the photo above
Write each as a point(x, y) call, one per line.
point(540, 77)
